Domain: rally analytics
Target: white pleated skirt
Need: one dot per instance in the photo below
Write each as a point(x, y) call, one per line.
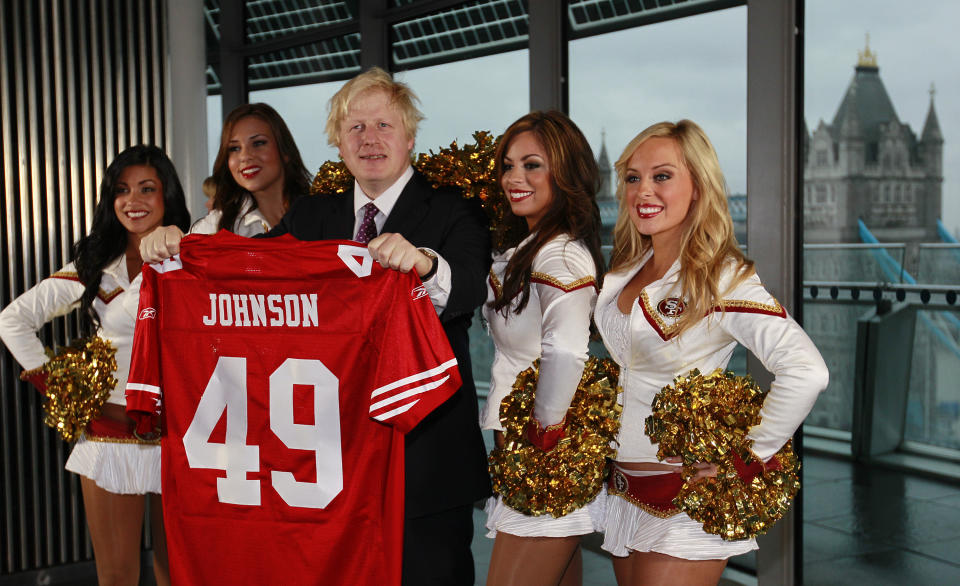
point(117, 467)
point(630, 528)
point(583, 521)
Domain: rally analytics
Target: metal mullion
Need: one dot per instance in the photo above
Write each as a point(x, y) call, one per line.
point(129, 49)
point(109, 94)
point(119, 81)
point(8, 530)
point(47, 154)
point(157, 31)
point(147, 99)
point(96, 85)
point(87, 47)
point(27, 150)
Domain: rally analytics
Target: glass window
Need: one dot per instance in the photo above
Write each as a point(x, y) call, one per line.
point(879, 264)
point(458, 99)
point(304, 108)
point(693, 68)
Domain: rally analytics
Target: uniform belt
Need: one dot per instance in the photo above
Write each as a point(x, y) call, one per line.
point(113, 425)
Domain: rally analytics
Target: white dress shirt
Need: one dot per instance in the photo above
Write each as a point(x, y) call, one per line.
point(438, 286)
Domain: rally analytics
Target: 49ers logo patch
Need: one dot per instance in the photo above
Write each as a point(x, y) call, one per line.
point(619, 481)
point(671, 307)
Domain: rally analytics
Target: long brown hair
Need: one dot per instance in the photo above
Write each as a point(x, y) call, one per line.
point(707, 242)
point(230, 196)
point(575, 179)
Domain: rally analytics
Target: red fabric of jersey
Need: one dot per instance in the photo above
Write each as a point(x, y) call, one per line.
point(287, 373)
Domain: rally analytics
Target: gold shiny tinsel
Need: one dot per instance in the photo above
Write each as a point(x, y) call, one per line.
point(472, 168)
point(571, 475)
point(79, 380)
point(705, 418)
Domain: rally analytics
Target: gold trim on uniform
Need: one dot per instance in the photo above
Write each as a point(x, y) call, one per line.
point(566, 288)
point(776, 308)
point(121, 440)
point(667, 330)
point(495, 282)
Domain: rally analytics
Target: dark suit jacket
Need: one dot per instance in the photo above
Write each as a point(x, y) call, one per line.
point(446, 459)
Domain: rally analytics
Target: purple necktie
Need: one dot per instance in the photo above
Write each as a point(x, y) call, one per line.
point(368, 228)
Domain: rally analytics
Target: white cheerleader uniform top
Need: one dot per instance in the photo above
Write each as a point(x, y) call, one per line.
point(554, 326)
point(249, 222)
point(59, 294)
point(650, 354)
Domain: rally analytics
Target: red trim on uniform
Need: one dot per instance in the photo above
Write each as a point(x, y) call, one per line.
point(66, 276)
point(108, 297)
point(564, 288)
point(732, 307)
point(105, 427)
point(652, 321)
point(103, 295)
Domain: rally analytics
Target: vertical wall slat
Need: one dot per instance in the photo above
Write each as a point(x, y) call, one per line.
point(7, 528)
point(46, 191)
point(157, 34)
point(61, 122)
point(108, 97)
point(96, 38)
point(21, 443)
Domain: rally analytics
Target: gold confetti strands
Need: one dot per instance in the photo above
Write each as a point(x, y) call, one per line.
point(706, 418)
point(571, 475)
point(79, 380)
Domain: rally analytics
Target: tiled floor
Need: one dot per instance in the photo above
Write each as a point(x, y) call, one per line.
point(871, 525)
point(862, 525)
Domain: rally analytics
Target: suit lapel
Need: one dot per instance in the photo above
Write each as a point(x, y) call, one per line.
point(339, 224)
point(410, 209)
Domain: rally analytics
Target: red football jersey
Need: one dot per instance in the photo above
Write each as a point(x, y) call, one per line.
point(288, 372)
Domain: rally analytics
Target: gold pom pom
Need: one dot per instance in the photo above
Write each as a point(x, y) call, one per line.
point(79, 380)
point(571, 475)
point(472, 168)
point(706, 418)
point(332, 177)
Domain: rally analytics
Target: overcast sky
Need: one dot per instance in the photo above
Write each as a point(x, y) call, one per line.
point(691, 68)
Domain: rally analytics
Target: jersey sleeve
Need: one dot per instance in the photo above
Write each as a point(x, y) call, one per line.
point(143, 383)
point(564, 275)
point(758, 322)
point(416, 370)
point(21, 319)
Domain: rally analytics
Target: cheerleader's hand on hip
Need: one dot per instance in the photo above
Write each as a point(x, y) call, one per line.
point(704, 469)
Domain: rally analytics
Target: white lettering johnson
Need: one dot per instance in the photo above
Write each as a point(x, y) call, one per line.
point(243, 311)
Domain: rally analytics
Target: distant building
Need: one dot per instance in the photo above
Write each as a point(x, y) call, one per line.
point(868, 165)
point(606, 196)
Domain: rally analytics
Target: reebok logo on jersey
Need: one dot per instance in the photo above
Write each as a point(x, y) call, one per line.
point(418, 292)
point(147, 313)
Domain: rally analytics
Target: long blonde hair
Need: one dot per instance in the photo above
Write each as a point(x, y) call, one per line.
point(707, 243)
